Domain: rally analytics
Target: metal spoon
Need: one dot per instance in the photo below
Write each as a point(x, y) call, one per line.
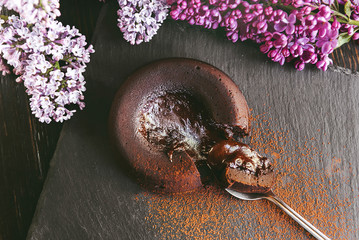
point(273, 198)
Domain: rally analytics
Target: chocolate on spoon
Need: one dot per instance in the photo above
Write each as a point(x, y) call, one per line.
point(241, 168)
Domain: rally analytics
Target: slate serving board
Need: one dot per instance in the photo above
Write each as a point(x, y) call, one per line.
point(88, 196)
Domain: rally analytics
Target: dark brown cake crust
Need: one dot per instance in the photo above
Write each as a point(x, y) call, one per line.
point(216, 91)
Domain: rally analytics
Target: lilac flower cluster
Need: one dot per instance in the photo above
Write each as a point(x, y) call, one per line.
point(139, 20)
point(302, 31)
point(33, 11)
point(50, 60)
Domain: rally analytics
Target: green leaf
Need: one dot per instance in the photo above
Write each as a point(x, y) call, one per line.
point(343, 39)
point(57, 65)
point(4, 17)
point(347, 9)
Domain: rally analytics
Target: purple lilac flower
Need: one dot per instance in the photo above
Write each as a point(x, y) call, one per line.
point(50, 60)
point(4, 68)
point(322, 26)
point(355, 12)
point(324, 63)
point(307, 34)
point(34, 11)
point(287, 24)
point(328, 42)
point(302, 31)
point(139, 20)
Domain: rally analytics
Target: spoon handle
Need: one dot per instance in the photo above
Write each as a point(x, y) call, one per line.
point(304, 223)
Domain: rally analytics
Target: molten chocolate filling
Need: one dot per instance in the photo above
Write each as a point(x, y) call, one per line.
point(240, 167)
point(175, 121)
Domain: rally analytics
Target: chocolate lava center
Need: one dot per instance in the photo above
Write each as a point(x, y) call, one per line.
point(175, 121)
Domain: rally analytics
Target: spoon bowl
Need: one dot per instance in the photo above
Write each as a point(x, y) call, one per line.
point(249, 196)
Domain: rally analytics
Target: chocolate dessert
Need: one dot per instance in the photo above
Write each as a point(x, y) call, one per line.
point(175, 121)
point(167, 116)
point(241, 168)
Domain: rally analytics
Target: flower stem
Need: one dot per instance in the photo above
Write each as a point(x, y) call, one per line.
point(339, 14)
point(4, 17)
point(353, 22)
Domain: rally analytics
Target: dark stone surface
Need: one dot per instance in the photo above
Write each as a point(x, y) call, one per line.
point(88, 196)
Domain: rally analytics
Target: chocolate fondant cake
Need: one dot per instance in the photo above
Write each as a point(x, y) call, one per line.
point(241, 168)
point(167, 116)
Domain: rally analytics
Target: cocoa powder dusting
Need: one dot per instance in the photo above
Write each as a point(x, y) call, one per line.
point(311, 190)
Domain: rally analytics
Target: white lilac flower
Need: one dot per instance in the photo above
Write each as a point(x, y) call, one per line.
point(4, 68)
point(50, 60)
point(12, 55)
point(57, 75)
point(34, 11)
point(139, 20)
point(71, 83)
